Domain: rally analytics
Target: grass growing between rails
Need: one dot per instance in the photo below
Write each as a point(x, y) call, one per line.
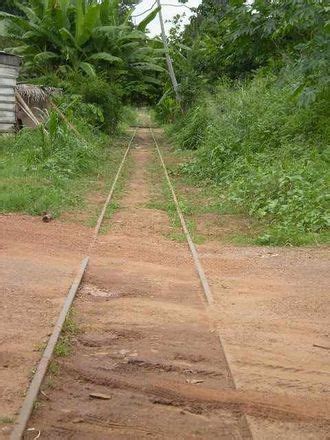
point(161, 198)
point(209, 215)
point(115, 205)
point(51, 169)
point(268, 157)
point(62, 349)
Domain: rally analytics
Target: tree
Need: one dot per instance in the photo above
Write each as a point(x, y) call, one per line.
point(83, 35)
point(10, 6)
point(237, 38)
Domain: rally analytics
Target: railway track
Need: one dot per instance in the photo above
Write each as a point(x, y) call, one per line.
point(198, 381)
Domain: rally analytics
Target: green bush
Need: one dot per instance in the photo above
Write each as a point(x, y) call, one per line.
point(55, 149)
point(107, 97)
point(268, 154)
point(93, 99)
point(190, 135)
point(167, 109)
point(41, 169)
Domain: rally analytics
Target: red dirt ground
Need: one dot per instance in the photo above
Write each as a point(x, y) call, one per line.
point(146, 341)
point(37, 263)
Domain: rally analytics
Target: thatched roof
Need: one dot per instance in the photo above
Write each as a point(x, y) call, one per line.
point(36, 94)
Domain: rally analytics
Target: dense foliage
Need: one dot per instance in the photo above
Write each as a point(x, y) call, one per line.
point(268, 156)
point(40, 167)
point(255, 92)
point(87, 36)
point(100, 61)
point(236, 38)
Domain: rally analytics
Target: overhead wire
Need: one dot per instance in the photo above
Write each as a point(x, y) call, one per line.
point(163, 4)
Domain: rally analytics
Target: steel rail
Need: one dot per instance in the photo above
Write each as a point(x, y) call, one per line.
point(192, 247)
point(35, 384)
point(108, 199)
point(41, 370)
point(202, 276)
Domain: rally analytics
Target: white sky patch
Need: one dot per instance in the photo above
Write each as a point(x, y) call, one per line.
point(168, 13)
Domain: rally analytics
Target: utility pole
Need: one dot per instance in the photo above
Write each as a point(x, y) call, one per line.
point(167, 55)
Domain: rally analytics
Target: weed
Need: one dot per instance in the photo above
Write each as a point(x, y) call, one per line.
point(70, 329)
point(36, 405)
point(162, 199)
point(54, 174)
point(40, 346)
point(266, 156)
point(53, 368)
point(5, 420)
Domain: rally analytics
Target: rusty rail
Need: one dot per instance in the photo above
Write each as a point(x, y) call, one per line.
point(203, 279)
point(41, 370)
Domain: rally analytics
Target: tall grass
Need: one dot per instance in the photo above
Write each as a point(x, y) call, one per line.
point(45, 169)
point(269, 155)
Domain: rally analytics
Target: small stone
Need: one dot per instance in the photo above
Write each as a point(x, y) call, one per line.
point(6, 429)
point(46, 217)
point(123, 352)
point(194, 381)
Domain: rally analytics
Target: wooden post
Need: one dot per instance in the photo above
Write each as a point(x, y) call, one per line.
point(167, 55)
point(26, 109)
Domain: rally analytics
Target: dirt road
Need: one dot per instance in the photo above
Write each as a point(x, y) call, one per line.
point(147, 363)
point(37, 264)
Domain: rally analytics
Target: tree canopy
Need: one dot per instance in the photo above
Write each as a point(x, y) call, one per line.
point(90, 36)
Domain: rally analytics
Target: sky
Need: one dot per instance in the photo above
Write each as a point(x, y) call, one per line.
point(168, 12)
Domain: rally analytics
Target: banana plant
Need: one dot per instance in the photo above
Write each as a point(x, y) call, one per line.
point(87, 35)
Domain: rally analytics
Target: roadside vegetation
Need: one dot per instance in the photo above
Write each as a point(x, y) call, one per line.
point(254, 88)
point(51, 169)
point(101, 63)
point(254, 112)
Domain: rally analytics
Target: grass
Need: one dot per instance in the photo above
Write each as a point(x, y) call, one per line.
point(5, 420)
point(101, 187)
point(161, 198)
point(29, 186)
point(114, 205)
point(202, 198)
point(52, 373)
point(63, 348)
point(197, 198)
point(70, 329)
point(267, 157)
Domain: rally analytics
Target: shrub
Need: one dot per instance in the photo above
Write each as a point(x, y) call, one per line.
point(40, 167)
point(55, 149)
point(105, 96)
point(167, 109)
point(268, 154)
point(93, 99)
